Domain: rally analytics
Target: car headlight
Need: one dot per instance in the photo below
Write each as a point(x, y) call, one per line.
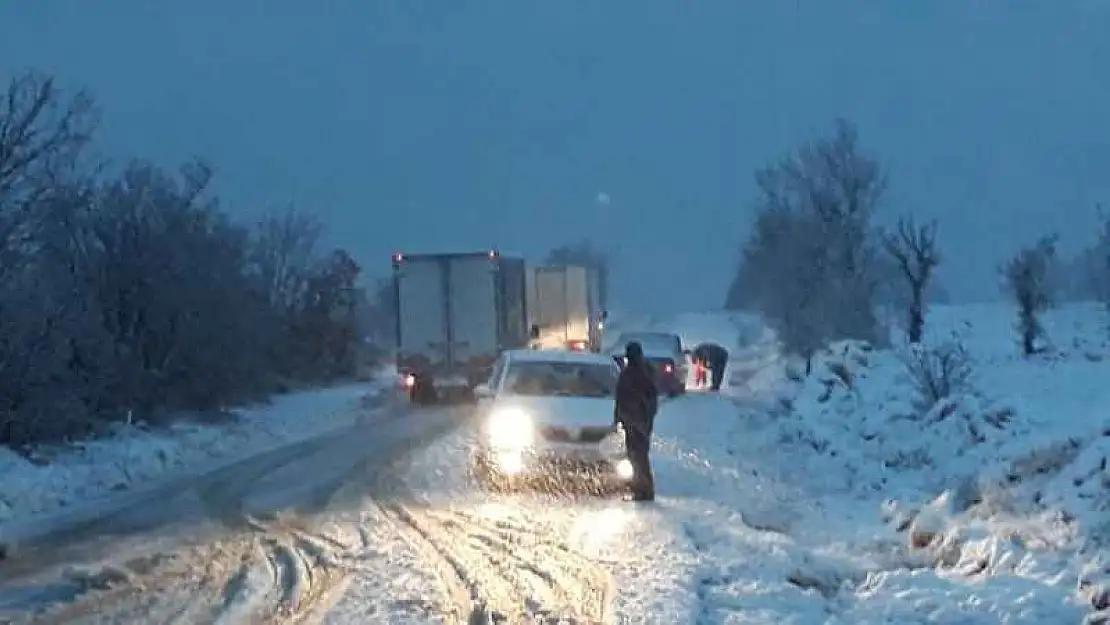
point(510, 428)
point(625, 470)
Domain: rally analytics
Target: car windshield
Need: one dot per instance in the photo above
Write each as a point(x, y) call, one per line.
point(564, 379)
point(651, 340)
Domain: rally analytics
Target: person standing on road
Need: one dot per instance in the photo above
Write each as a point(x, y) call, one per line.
point(637, 402)
point(716, 357)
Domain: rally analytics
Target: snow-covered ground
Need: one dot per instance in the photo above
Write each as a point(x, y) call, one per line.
point(833, 499)
point(800, 501)
point(1008, 474)
point(61, 476)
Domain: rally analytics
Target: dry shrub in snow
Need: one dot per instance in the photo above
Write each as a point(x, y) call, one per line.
point(1028, 281)
point(864, 409)
point(938, 372)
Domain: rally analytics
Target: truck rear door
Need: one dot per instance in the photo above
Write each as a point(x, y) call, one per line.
point(422, 310)
point(550, 300)
point(577, 304)
point(473, 306)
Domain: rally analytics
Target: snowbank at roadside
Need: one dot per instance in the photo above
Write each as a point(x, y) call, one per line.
point(767, 543)
point(59, 476)
point(1004, 483)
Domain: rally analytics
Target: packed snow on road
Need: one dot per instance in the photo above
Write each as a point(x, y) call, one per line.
point(837, 497)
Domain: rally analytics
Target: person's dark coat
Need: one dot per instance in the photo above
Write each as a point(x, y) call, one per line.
point(716, 358)
point(637, 396)
point(711, 353)
point(635, 408)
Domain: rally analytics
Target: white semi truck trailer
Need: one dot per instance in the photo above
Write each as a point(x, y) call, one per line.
point(455, 314)
point(565, 310)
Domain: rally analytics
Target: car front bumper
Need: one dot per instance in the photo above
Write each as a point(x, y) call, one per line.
point(557, 460)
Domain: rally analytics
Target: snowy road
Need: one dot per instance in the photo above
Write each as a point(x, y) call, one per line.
point(462, 555)
point(241, 544)
point(381, 524)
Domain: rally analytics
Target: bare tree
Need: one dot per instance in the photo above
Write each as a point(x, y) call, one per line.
point(377, 314)
point(42, 135)
point(1101, 264)
point(809, 265)
point(914, 251)
point(284, 254)
point(783, 272)
point(1027, 278)
point(328, 325)
point(1095, 262)
point(136, 294)
point(43, 335)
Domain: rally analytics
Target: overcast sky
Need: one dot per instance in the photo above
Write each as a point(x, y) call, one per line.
point(451, 125)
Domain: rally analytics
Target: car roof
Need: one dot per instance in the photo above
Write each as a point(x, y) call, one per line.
point(558, 355)
point(649, 349)
point(648, 337)
point(660, 333)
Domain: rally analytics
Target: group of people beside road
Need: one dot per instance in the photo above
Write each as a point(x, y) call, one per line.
point(637, 402)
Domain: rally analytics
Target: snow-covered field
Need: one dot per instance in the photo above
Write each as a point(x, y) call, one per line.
point(57, 477)
point(1009, 474)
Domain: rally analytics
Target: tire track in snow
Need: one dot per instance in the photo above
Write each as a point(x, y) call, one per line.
point(269, 574)
point(503, 575)
point(277, 569)
point(492, 568)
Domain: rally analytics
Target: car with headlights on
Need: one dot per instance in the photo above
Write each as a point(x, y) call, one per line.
point(548, 415)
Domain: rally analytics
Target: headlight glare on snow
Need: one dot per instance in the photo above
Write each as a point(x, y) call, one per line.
point(510, 428)
point(613, 444)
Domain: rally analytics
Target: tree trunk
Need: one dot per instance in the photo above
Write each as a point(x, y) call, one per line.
point(917, 316)
point(1028, 346)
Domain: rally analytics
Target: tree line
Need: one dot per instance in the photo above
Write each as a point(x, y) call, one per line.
point(130, 294)
point(818, 268)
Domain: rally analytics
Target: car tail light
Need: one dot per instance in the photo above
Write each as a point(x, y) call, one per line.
point(578, 346)
point(668, 368)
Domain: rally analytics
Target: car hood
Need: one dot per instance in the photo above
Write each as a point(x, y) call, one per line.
point(571, 412)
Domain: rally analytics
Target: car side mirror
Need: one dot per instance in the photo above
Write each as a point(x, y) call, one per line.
point(534, 332)
point(483, 391)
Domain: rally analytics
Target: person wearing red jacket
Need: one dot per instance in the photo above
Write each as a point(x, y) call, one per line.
point(700, 373)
